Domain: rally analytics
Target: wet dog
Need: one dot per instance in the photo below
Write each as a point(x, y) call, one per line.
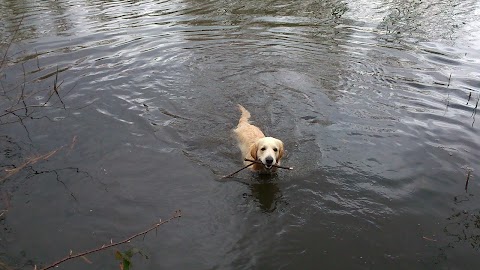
point(255, 146)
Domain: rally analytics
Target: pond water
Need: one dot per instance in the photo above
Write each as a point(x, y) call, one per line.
point(374, 100)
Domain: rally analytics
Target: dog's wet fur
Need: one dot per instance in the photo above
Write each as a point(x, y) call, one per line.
point(255, 146)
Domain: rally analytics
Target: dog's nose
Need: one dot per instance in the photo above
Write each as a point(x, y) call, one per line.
point(269, 160)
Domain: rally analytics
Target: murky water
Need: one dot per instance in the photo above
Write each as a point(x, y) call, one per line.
point(375, 101)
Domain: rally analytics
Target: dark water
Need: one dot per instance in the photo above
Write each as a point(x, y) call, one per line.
point(370, 97)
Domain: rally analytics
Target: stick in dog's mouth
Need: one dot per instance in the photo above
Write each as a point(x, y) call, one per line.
point(266, 165)
point(255, 161)
point(273, 165)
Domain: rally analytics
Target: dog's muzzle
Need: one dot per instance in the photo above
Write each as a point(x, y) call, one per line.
point(268, 162)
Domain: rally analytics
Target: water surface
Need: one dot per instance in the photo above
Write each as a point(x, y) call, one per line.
point(374, 100)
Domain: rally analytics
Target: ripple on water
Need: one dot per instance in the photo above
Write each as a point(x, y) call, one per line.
point(370, 99)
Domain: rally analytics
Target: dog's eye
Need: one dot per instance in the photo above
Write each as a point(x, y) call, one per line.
point(275, 149)
point(263, 149)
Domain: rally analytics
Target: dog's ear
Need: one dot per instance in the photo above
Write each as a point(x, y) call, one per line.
point(280, 150)
point(253, 150)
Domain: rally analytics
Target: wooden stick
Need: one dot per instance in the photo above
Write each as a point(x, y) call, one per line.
point(177, 214)
point(274, 165)
point(230, 175)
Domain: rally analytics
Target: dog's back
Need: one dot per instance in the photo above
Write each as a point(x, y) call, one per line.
point(246, 133)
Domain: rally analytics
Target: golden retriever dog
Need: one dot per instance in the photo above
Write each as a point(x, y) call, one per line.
point(255, 146)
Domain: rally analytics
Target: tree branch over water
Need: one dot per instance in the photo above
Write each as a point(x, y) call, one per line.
point(24, 100)
point(177, 214)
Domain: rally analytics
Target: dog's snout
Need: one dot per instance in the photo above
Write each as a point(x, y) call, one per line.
point(269, 160)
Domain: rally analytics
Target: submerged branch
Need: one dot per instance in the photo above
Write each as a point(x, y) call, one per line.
point(35, 159)
point(10, 111)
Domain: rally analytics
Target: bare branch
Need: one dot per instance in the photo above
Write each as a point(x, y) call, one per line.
point(23, 108)
point(237, 171)
point(177, 214)
point(33, 160)
point(56, 86)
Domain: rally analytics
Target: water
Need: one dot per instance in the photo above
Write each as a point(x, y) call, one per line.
point(371, 99)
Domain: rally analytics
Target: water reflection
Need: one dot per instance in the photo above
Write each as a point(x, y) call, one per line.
point(266, 192)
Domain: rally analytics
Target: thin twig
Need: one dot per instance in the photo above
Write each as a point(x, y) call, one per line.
point(32, 160)
point(476, 106)
point(20, 119)
point(38, 62)
point(4, 59)
point(74, 141)
point(468, 178)
point(56, 86)
point(177, 214)
point(429, 239)
point(23, 108)
point(474, 113)
point(230, 175)
point(273, 165)
point(448, 102)
point(22, 92)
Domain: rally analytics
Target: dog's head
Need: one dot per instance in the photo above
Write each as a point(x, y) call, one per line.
point(268, 150)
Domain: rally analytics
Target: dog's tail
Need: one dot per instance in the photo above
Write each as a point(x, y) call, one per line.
point(245, 114)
